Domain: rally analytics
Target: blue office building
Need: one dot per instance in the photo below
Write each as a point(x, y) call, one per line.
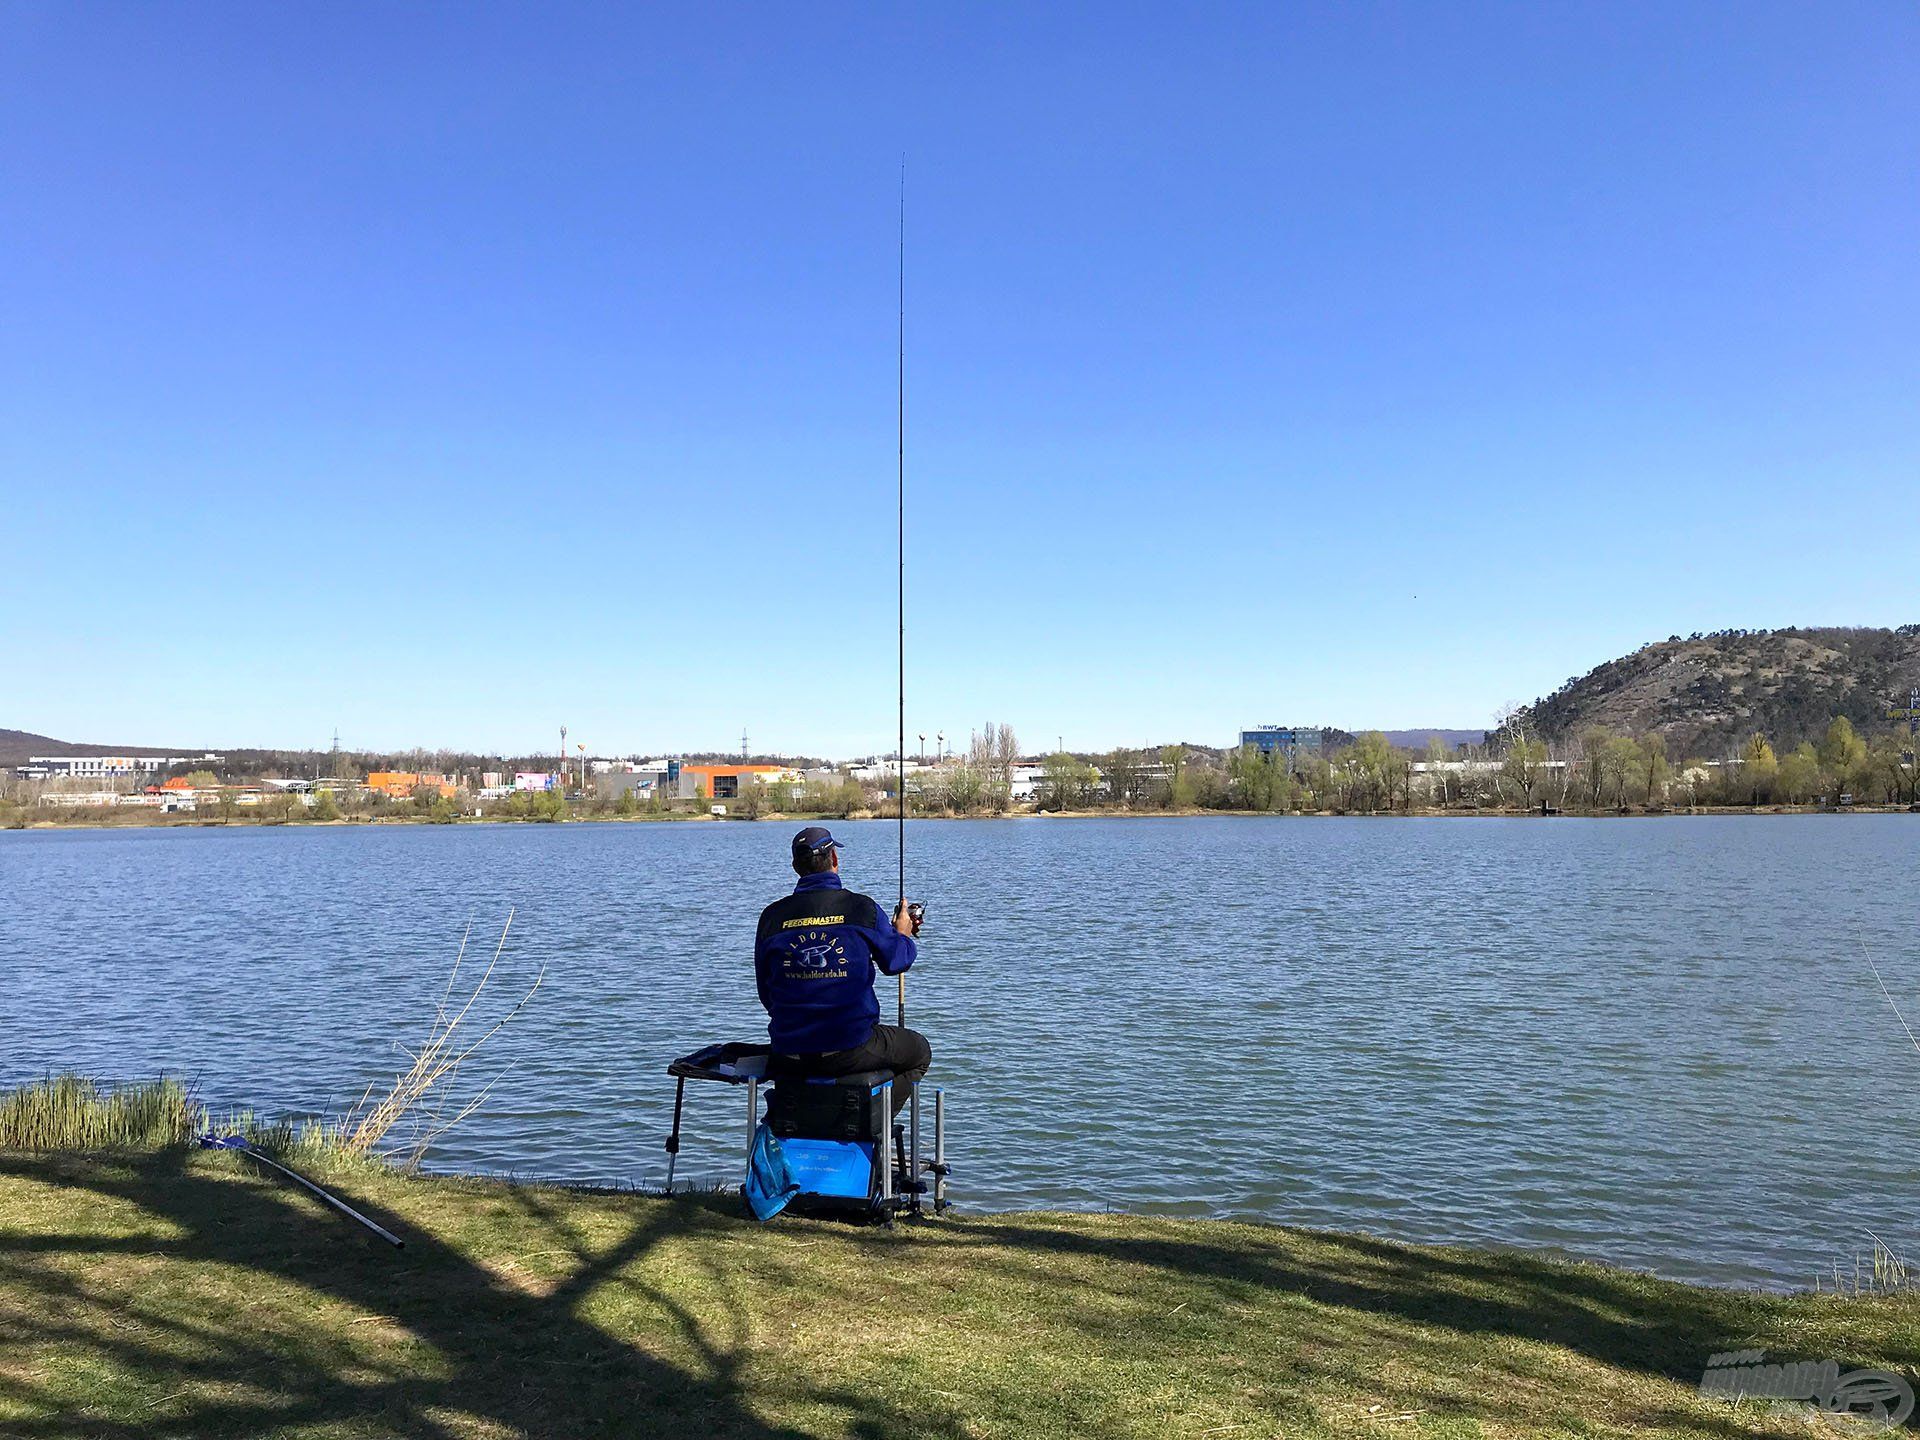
point(1294, 740)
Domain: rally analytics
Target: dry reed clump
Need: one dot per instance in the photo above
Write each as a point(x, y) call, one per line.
point(416, 1103)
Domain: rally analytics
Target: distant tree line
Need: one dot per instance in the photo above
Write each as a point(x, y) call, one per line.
point(1598, 771)
point(978, 781)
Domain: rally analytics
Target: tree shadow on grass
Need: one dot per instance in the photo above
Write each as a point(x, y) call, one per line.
point(1431, 1310)
point(460, 1349)
point(1628, 1321)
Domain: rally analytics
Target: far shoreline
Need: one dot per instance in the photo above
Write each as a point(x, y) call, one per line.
point(148, 822)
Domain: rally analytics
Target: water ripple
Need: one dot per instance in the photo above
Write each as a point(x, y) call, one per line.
point(1648, 1041)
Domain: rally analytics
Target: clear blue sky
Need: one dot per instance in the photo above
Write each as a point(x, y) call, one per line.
point(447, 373)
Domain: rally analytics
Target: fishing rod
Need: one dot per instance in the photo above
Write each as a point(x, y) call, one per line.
point(1880, 980)
point(900, 427)
point(900, 751)
point(245, 1147)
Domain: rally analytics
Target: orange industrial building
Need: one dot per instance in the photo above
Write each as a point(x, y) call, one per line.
point(722, 782)
point(400, 784)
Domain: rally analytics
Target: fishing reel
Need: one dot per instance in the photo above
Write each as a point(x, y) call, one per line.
point(917, 913)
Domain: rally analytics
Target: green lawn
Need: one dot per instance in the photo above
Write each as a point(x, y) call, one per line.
point(185, 1294)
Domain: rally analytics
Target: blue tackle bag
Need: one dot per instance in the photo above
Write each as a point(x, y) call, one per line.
point(770, 1182)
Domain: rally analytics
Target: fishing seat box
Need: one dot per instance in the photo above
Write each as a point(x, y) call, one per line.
point(833, 1130)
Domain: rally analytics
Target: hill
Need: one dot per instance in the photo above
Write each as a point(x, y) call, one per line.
point(19, 746)
point(1416, 739)
point(1707, 693)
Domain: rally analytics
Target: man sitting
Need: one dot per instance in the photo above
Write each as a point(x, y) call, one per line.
point(814, 960)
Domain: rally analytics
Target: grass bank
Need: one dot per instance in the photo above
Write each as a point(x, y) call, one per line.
point(183, 1293)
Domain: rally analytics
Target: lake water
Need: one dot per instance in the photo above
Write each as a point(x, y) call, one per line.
point(1656, 1042)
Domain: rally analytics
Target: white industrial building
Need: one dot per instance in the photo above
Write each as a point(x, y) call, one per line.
point(106, 767)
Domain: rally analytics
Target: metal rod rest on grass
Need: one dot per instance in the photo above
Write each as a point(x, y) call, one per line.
point(236, 1143)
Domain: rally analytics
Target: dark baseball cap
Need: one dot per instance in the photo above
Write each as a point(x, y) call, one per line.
point(814, 839)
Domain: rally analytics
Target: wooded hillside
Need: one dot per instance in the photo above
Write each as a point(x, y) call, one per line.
point(1706, 693)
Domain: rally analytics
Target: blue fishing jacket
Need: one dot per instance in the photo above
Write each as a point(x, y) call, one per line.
point(814, 959)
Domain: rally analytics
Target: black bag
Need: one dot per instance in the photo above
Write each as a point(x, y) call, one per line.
point(838, 1107)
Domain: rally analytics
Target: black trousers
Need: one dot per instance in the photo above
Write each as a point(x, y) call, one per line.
point(890, 1047)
